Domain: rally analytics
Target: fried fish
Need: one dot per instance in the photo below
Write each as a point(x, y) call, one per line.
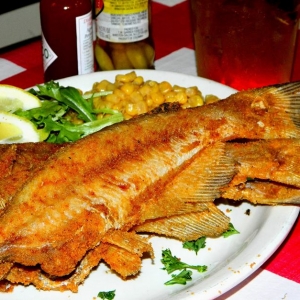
point(267, 171)
point(141, 172)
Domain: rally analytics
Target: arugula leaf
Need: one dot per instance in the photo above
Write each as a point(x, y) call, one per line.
point(181, 278)
point(107, 295)
point(230, 231)
point(52, 117)
point(195, 245)
point(69, 96)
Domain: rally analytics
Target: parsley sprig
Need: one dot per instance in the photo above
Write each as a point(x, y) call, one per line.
point(195, 245)
point(231, 231)
point(110, 295)
point(172, 263)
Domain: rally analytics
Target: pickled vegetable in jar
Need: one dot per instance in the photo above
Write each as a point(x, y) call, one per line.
point(123, 35)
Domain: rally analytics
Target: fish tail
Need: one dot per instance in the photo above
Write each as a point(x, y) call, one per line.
point(288, 95)
point(268, 112)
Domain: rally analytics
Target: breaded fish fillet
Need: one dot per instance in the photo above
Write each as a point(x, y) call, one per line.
point(117, 178)
point(17, 163)
point(267, 171)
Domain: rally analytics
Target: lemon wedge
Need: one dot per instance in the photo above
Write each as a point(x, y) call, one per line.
point(13, 98)
point(15, 129)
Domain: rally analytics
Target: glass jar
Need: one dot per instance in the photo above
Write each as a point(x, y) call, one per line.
point(123, 30)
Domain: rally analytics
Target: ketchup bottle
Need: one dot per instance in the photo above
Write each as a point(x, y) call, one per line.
point(67, 38)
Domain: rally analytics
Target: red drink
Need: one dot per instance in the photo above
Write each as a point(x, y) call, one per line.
point(245, 43)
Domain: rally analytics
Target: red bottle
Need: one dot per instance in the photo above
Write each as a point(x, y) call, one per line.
point(67, 37)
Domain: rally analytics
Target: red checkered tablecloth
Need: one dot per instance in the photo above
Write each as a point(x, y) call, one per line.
point(279, 277)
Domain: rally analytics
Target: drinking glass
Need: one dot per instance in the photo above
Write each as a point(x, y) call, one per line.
point(245, 43)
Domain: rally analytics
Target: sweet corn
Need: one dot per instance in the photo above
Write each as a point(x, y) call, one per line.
point(132, 96)
point(211, 99)
point(128, 88)
point(126, 77)
point(165, 87)
point(157, 98)
point(196, 100)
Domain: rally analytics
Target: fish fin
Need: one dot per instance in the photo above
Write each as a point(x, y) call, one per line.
point(129, 241)
point(161, 207)
point(120, 260)
point(287, 97)
point(34, 275)
point(275, 160)
point(201, 180)
point(260, 192)
point(190, 226)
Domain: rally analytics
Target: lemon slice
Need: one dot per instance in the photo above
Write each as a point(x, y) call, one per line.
point(13, 98)
point(15, 129)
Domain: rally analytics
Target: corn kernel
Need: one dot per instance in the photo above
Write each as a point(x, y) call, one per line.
point(120, 93)
point(154, 87)
point(149, 101)
point(126, 77)
point(136, 97)
point(169, 95)
point(134, 109)
point(101, 86)
point(191, 91)
point(127, 88)
point(211, 99)
point(158, 98)
point(164, 87)
point(139, 80)
point(181, 97)
point(145, 90)
point(111, 87)
point(177, 88)
point(112, 98)
point(171, 99)
point(151, 83)
point(196, 100)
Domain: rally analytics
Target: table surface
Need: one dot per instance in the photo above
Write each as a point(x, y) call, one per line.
point(21, 65)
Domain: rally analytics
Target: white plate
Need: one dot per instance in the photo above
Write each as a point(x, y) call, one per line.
point(229, 260)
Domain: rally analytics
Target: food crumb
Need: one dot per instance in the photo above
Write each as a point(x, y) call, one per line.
point(247, 212)
point(228, 210)
point(252, 265)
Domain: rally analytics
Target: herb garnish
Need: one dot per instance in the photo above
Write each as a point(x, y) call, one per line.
point(107, 295)
point(172, 263)
point(230, 231)
point(53, 117)
point(181, 278)
point(195, 245)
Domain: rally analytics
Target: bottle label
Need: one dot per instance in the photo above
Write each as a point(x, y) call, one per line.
point(85, 54)
point(48, 54)
point(123, 21)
